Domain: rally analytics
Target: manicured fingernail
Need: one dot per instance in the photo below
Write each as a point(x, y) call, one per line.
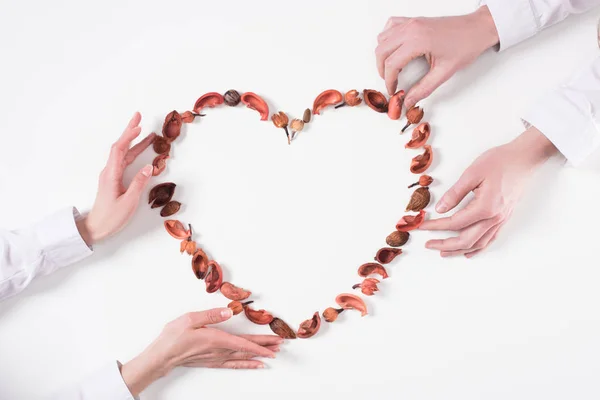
point(226, 313)
point(441, 207)
point(147, 170)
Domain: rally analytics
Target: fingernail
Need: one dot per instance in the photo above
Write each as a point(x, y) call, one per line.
point(226, 313)
point(276, 349)
point(261, 366)
point(280, 340)
point(147, 170)
point(441, 207)
point(427, 245)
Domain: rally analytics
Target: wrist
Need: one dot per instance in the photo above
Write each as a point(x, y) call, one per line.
point(485, 28)
point(143, 370)
point(84, 231)
point(534, 146)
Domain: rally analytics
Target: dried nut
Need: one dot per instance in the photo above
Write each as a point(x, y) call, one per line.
point(176, 229)
point(387, 254)
point(307, 115)
point(410, 222)
point(160, 164)
point(420, 136)
point(376, 100)
point(282, 329)
point(368, 286)
point(188, 117)
point(161, 194)
point(161, 145)
point(210, 100)
point(330, 314)
point(395, 105)
point(413, 116)
point(352, 98)
point(236, 307)
point(280, 120)
point(172, 126)
point(214, 277)
point(255, 102)
point(296, 126)
point(188, 246)
point(422, 162)
point(200, 264)
point(309, 327)
point(326, 98)
point(397, 238)
point(233, 292)
point(232, 98)
point(419, 199)
point(372, 268)
point(352, 302)
point(424, 180)
point(170, 208)
point(259, 317)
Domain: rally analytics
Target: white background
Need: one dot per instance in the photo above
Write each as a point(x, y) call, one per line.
point(291, 223)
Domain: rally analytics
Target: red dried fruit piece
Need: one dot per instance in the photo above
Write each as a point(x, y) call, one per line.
point(172, 126)
point(352, 98)
point(326, 98)
point(161, 145)
point(211, 99)
point(170, 208)
point(236, 307)
point(387, 254)
point(420, 136)
point(200, 264)
point(368, 286)
point(352, 302)
point(188, 117)
point(413, 116)
point(424, 180)
point(376, 100)
point(233, 292)
point(160, 164)
point(188, 246)
point(176, 229)
point(410, 222)
point(372, 268)
point(395, 105)
point(309, 327)
point(161, 194)
point(214, 277)
point(255, 102)
point(330, 314)
point(282, 329)
point(259, 317)
point(422, 162)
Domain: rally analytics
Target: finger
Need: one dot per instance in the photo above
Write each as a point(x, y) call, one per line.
point(199, 319)
point(391, 23)
point(134, 121)
point(467, 238)
point(460, 220)
point(274, 348)
point(136, 150)
point(394, 64)
point(119, 150)
point(242, 345)
point(139, 183)
point(385, 49)
point(490, 241)
point(263, 340)
point(480, 244)
point(239, 364)
point(423, 89)
point(237, 355)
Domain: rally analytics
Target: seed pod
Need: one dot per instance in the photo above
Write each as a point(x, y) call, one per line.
point(352, 302)
point(296, 126)
point(397, 238)
point(232, 98)
point(210, 100)
point(161, 194)
point(424, 180)
point(387, 254)
point(368, 286)
point(160, 164)
point(170, 208)
point(310, 327)
point(395, 105)
point(419, 199)
point(282, 329)
point(214, 277)
point(188, 246)
point(413, 116)
point(188, 117)
point(372, 268)
point(176, 229)
point(172, 126)
point(422, 162)
point(420, 136)
point(233, 292)
point(376, 100)
point(352, 98)
point(326, 98)
point(280, 120)
point(200, 264)
point(259, 317)
point(161, 145)
point(236, 307)
point(410, 222)
point(307, 115)
point(330, 314)
point(255, 102)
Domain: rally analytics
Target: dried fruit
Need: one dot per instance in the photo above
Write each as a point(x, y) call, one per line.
point(282, 329)
point(310, 327)
point(172, 126)
point(395, 105)
point(352, 302)
point(372, 268)
point(413, 116)
point(188, 246)
point(176, 229)
point(188, 117)
point(255, 102)
point(161, 145)
point(397, 238)
point(170, 208)
point(330, 314)
point(210, 100)
point(352, 98)
point(376, 100)
point(420, 163)
point(307, 115)
point(420, 136)
point(236, 307)
point(160, 164)
point(424, 180)
point(200, 264)
point(387, 254)
point(161, 194)
point(233, 292)
point(232, 98)
point(259, 317)
point(326, 98)
point(368, 286)
point(281, 120)
point(296, 126)
point(410, 222)
point(214, 277)
point(419, 199)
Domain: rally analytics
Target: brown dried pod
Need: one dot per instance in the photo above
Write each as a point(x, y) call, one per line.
point(395, 105)
point(307, 116)
point(214, 277)
point(368, 287)
point(160, 164)
point(188, 246)
point(419, 199)
point(161, 194)
point(210, 100)
point(387, 254)
point(188, 117)
point(255, 102)
point(326, 98)
point(236, 307)
point(411, 222)
point(176, 229)
point(282, 329)
point(233, 292)
point(376, 100)
point(424, 180)
point(259, 317)
point(280, 120)
point(310, 327)
point(232, 98)
point(372, 268)
point(161, 145)
point(170, 208)
point(330, 314)
point(413, 116)
point(422, 162)
point(352, 302)
point(420, 136)
point(296, 126)
point(352, 98)
point(172, 126)
point(200, 264)
point(397, 238)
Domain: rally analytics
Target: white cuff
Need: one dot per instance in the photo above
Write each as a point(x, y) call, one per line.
point(515, 20)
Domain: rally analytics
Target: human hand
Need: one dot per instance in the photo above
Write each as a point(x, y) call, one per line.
point(448, 44)
point(115, 204)
point(497, 178)
point(187, 342)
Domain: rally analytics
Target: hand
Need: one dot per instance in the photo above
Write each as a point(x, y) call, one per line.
point(497, 178)
point(448, 44)
point(115, 204)
point(187, 342)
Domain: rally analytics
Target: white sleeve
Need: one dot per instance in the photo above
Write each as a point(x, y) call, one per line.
point(517, 20)
point(39, 250)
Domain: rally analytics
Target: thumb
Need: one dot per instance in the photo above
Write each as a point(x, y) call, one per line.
point(457, 192)
point(426, 86)
point(140, 181)
point(209, 317)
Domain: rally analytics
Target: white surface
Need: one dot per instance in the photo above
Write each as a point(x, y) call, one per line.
point(291, 223)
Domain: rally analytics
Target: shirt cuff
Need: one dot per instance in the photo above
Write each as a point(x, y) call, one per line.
point(515, 20)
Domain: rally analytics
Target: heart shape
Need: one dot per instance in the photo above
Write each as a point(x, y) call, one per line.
point(209, 270)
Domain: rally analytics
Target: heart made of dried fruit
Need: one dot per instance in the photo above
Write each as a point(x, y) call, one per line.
point(209, 270)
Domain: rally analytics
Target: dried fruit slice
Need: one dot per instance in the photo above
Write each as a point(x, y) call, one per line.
point(420, 136)
point(376, 100)
point(395, 105)
point(259, 317)
point(387, 254)
point(352, 302)
point(421, 162)
point(176, 229)
point(368, 286)
point(410, 222)
point(200, 264)
point(214, 277)
point(310, 327)
point(255, 102)
point(160, 164)
point(326, 98)
point(233, 292)
point(211, 99)
point(372, 268)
